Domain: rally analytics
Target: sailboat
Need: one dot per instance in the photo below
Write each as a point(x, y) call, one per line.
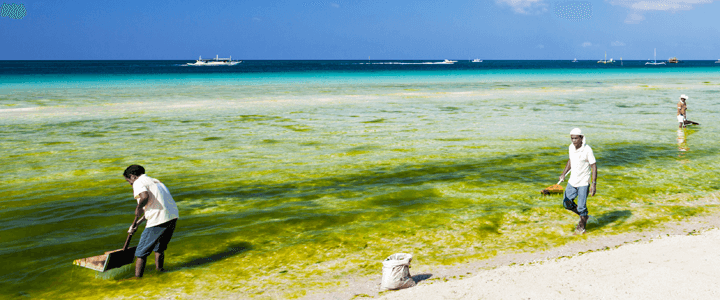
point(575, 60)
point(654, 62)
point(718, 61)
point(605, 61)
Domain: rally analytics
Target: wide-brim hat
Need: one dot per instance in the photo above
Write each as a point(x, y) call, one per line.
point(683, 97)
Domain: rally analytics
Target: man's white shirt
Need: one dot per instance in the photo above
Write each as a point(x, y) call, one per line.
point(160, 207)
point(580, 161)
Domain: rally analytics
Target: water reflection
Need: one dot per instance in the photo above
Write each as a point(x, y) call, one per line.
point(683, 135)
point(682, 141)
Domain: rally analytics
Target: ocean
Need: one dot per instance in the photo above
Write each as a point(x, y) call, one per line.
point(298, 176)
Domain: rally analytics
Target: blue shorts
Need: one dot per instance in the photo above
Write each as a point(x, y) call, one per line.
point(155, 238)
point(579, 193)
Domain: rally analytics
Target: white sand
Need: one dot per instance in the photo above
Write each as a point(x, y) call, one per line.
point(668, 267)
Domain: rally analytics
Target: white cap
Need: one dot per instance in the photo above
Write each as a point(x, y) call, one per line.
point(683, 97)
point(576, 131)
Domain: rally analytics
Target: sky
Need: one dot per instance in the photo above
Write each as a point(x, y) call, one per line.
point(360, 29)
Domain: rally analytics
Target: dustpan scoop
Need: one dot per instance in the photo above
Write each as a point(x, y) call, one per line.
point(109, 260)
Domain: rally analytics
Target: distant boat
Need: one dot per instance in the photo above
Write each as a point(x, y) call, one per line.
point(477, 60)
point(654, 62)
point(718, 61)
point(575, 60)
point(448, 61)
point(605, 61)
point(217, 61)
point(673, 60)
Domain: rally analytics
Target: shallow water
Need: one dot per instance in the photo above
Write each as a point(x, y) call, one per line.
point(303, 179)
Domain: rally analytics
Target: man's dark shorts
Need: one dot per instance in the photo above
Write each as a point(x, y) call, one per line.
point(155, 238)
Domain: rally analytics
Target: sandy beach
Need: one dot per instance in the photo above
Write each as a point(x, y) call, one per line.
point(671, 267)
point(679, 261)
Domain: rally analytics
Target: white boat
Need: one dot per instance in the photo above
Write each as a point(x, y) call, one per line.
point(575, 60)
point(718, 61)
point(477, 60)
point(654, 62)
point(217, 61)
point(448, 61)
point(605, 61)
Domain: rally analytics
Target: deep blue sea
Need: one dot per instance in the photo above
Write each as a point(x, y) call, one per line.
point(313, 66)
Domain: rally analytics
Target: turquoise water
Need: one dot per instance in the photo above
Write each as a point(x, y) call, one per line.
point(302, 179)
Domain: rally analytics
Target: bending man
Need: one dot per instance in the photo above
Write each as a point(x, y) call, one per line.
point(156, 205)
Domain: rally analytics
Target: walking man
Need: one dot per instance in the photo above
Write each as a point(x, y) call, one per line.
point(580, 163)
point(157, 207)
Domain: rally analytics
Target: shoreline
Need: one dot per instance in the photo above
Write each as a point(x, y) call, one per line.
point(457, 281)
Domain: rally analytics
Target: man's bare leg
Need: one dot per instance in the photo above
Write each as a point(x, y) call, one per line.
point(139, 267)
point(159, 261)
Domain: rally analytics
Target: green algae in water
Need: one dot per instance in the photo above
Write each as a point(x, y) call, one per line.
point(265, 205)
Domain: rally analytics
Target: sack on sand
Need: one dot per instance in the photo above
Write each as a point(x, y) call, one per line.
point(396, 272)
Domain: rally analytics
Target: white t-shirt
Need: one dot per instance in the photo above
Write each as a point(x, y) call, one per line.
point(580, 161)
point(160, 207)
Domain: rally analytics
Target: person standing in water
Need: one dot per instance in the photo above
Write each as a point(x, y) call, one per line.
point(156, 206)
point(682, 112)
point(581, 163)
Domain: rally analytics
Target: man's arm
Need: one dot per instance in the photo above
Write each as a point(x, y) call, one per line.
point(684, 110)
point(139, 212)
point(594, 179)
point(567, 168)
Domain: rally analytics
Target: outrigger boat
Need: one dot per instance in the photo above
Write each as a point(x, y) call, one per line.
point(654, 62)
point(605, 61)
point(217, 61)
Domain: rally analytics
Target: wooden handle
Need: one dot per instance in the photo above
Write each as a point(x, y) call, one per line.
point(127, 241)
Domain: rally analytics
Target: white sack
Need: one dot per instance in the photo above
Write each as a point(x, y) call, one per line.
point(396, 272)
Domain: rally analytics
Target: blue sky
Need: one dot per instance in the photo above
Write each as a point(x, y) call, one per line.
point(336, 29)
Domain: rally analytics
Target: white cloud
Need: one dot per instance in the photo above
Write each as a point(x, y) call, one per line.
point(617, 44)
point(638, 7)
point(335, 5)
point(586, 44)
point(540, 46)
point(525, 7)
point(634, 18)
point(671, 5)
